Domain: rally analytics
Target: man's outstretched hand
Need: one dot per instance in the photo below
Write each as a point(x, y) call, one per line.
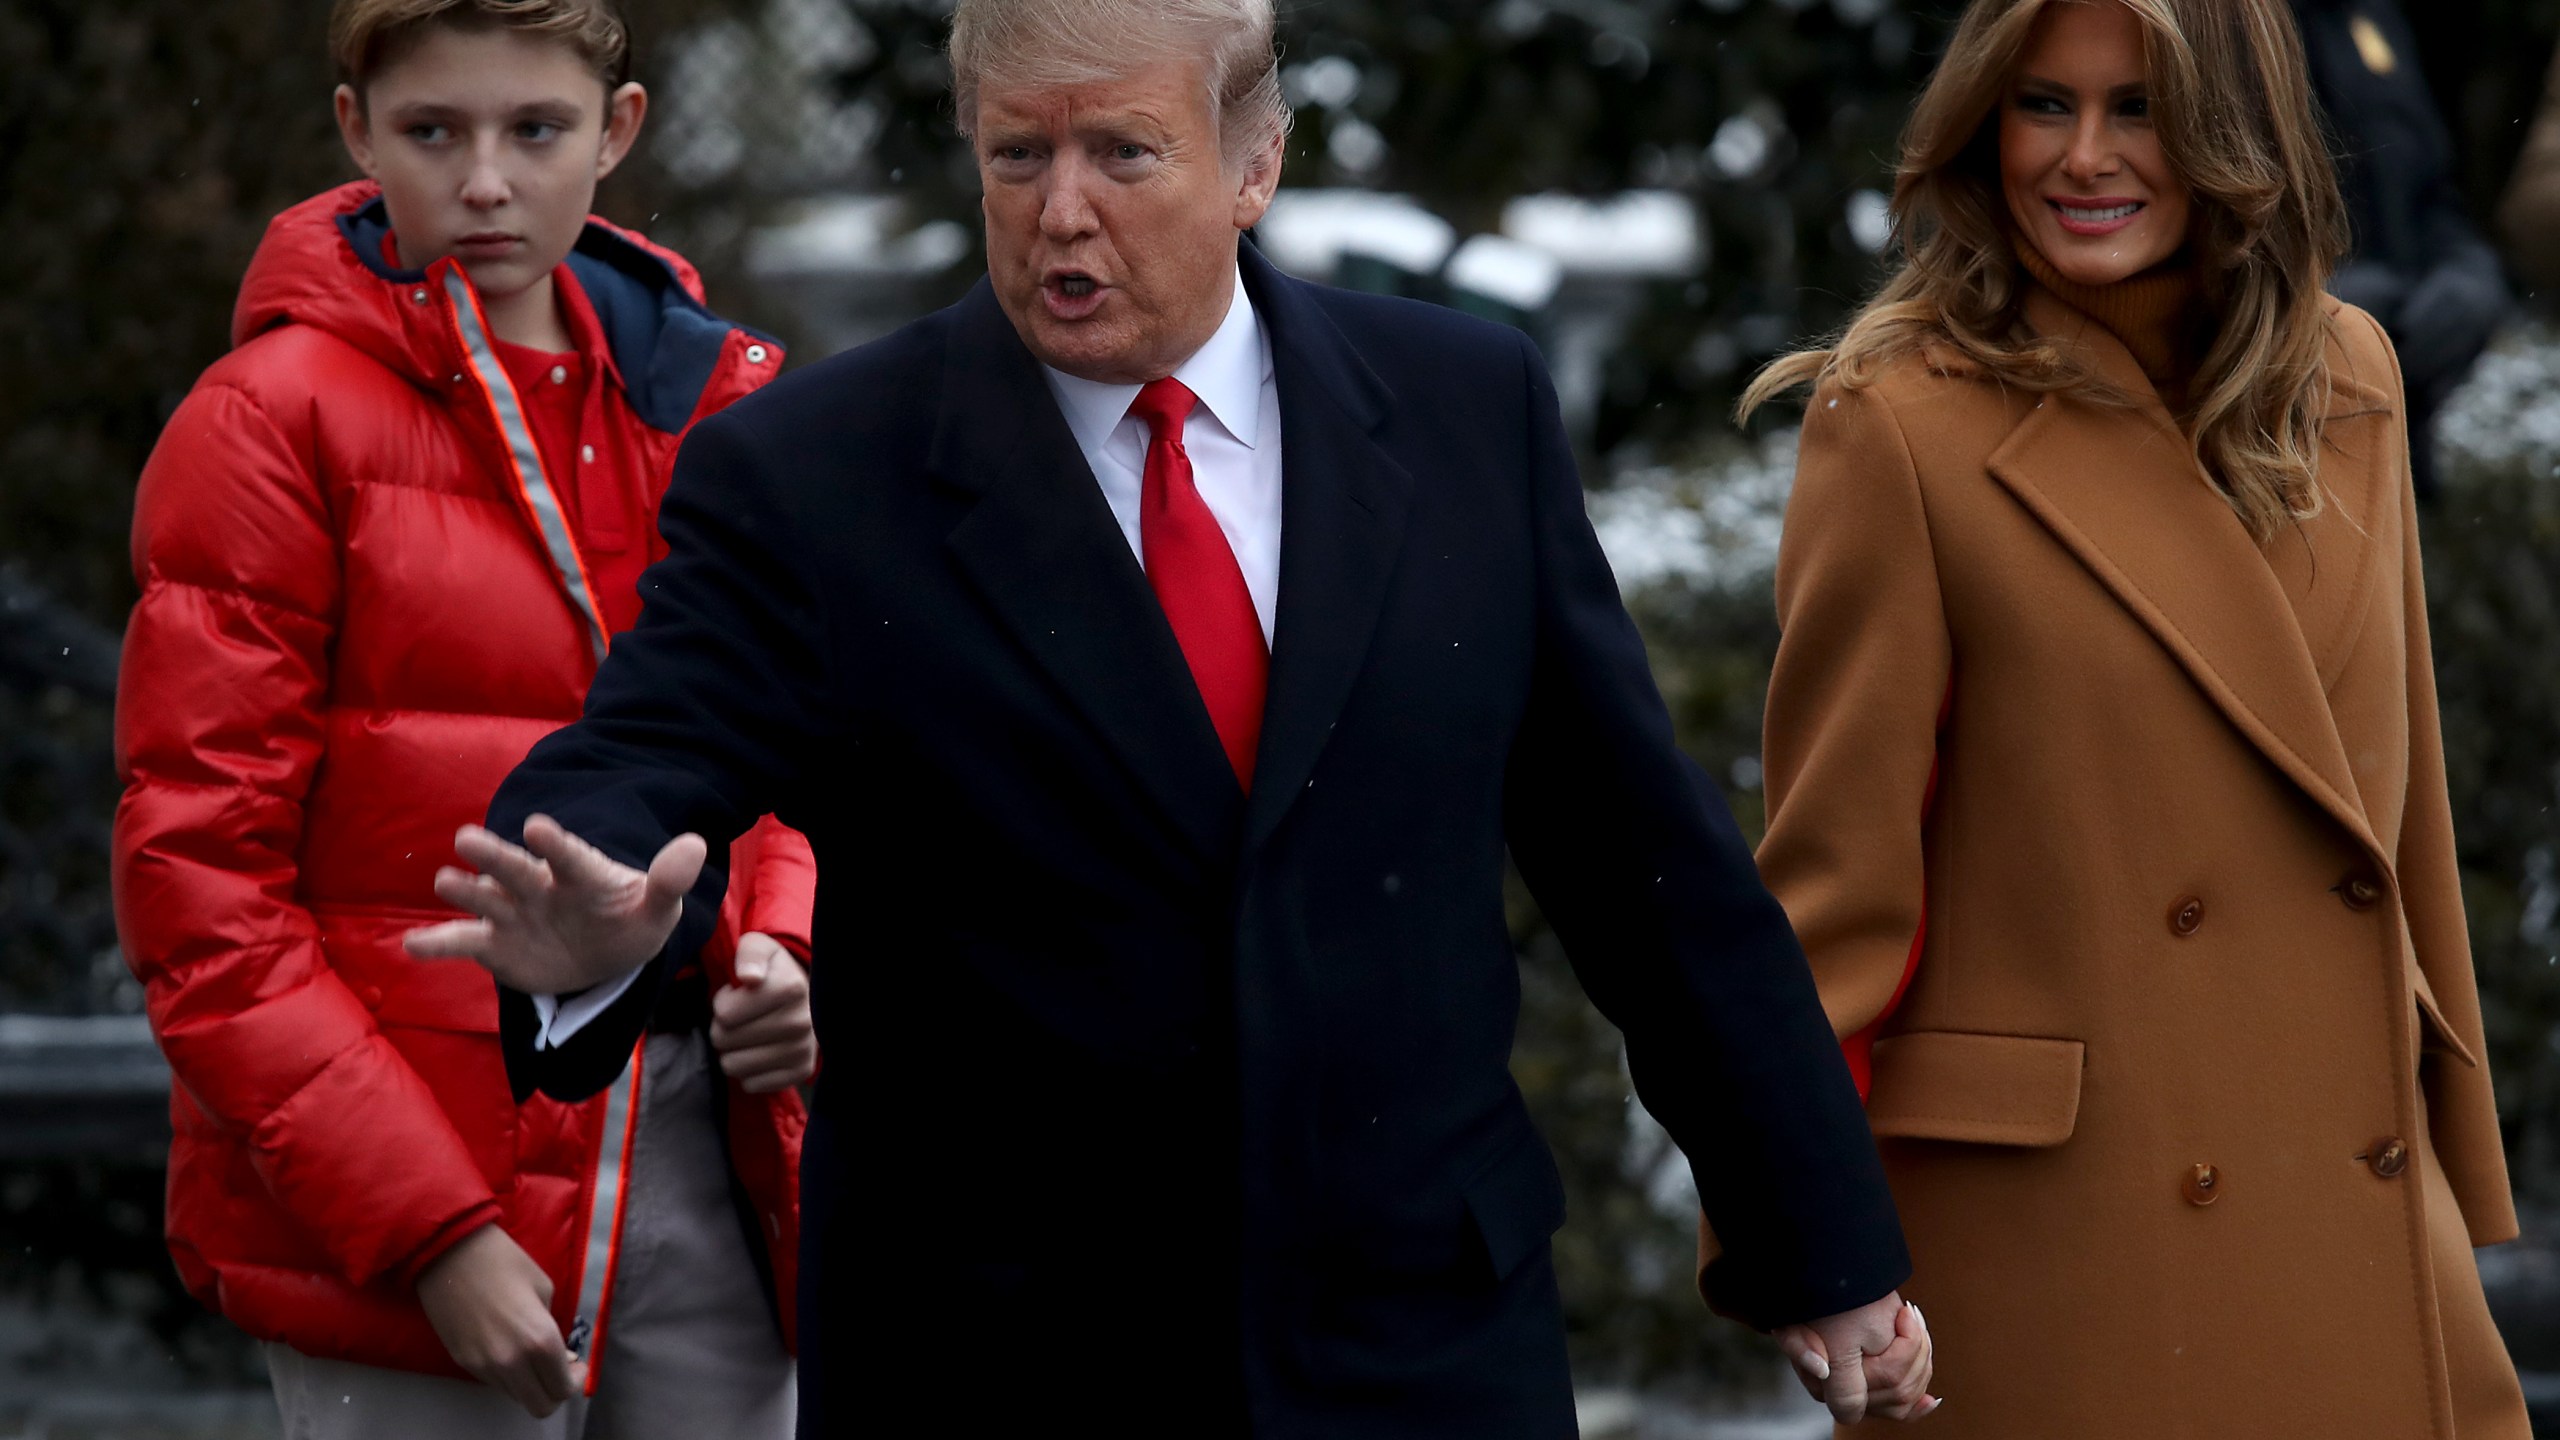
point(1871, 1363)
point(556, 914)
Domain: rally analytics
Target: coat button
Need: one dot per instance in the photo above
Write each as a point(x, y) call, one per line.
point(755, 354)
point(2359, 892)
point(2204, 1185)
point(2389, 1156)
point(2187, 917)
point(559, 374)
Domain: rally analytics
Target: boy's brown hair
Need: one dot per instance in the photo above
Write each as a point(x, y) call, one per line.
point(366, 35)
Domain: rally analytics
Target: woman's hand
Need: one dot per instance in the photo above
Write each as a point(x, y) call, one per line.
point(760, 1024)
point(1871, 1363)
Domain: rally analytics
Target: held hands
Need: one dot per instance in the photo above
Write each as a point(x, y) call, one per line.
point(760, 1024)
point(491, 1306)
point(1871, 1363)
point(557, 915)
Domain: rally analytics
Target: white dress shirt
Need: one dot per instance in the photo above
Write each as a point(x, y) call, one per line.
point(1233, 438)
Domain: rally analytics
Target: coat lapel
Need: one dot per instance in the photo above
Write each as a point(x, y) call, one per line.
point(1039, 542)
point(1343, 505)
point(2120, 488)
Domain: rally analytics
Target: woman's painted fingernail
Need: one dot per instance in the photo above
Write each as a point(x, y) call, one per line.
point(1818, 1367)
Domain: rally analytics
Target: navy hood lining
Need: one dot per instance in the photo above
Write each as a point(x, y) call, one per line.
point(665, 342)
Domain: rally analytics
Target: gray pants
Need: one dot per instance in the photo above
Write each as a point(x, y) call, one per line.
point(690, 1349)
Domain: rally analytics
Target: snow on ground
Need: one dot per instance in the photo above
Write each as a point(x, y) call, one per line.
point(1706, 526)
point(1715, 524)
point(2508, 411)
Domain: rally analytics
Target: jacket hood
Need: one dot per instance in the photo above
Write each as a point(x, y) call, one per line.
point(323, 264)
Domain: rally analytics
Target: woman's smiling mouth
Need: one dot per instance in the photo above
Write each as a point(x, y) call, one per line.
point(2098, 215)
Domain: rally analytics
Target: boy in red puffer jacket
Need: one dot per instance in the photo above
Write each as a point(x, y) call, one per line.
point(382, 546)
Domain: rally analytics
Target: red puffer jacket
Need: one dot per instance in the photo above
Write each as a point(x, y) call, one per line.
point(360, 607)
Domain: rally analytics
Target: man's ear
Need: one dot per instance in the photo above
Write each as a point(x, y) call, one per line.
point(354, 128)
point(624, 111)
point(1259, 180)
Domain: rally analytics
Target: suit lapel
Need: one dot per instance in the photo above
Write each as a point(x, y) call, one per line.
point(1343, 505)
point(2121, 490)
point(1041, 545)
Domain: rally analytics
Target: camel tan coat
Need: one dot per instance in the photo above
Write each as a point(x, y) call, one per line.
point(2120, 846)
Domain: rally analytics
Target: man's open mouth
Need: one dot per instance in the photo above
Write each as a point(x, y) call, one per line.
point(1075, 287)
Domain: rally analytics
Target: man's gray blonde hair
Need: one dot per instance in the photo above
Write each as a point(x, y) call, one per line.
point(1049, 44)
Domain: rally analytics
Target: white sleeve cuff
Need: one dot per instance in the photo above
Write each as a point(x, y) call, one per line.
point(564, 1018)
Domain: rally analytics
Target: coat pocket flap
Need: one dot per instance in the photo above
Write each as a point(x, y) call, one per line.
point(2436, 1032)
point(1980, 1089)
point(1517, 1201)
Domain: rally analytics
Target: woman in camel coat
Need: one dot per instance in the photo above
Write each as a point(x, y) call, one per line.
point(2105, 781)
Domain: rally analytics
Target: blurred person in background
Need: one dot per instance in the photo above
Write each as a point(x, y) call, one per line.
point(1163, 652)
point(383, 545)
point(2529, 213)
point(2417, 264)
point(2104, 771)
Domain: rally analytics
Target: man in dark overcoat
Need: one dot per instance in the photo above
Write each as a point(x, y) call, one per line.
point(1161, 655)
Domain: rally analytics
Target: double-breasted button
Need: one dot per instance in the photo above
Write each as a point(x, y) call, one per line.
point(2360, 892)
point(2388, 1156)
point(2186, 917)
point(2204, 1185)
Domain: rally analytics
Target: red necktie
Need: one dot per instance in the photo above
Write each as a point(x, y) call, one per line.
point(1196, 579)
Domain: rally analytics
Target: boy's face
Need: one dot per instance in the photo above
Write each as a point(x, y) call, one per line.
point(488, 145)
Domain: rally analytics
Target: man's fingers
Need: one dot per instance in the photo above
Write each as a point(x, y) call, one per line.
point(1898, 1379)
point(573, 862)
point(478, 894)
point(1846, 1391)
point(520, 870)
point(677, 866)
point(452, 940)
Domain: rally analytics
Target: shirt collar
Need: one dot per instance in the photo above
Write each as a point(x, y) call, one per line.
point(1226, 373)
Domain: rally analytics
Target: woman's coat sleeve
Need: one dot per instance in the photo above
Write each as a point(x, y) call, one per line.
point(1861, 686)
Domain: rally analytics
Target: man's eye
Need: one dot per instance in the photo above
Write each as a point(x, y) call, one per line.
point(1128, 152)
point(426, 134)
point(538, 131)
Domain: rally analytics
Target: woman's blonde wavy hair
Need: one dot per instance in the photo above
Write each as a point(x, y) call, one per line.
point(2232, 103)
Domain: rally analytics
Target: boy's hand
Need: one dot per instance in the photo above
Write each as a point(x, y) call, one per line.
point(491, 1306)
point(1871, 1363)
point(761, 1025)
